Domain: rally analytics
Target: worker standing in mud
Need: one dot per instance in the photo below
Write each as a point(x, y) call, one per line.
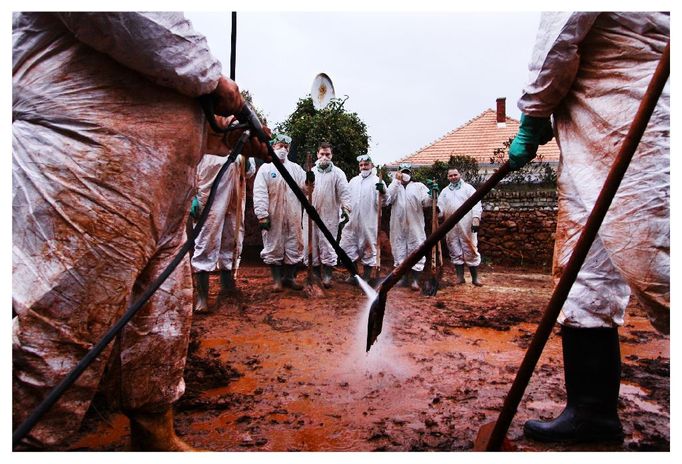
point(279, 216)
point(407, 199)
point(330, 197)
point(215, 245)
point(107, 133)
point(359, 237)
point(462, 240)
point(590, 71)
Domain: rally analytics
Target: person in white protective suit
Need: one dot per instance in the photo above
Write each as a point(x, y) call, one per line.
point(106, 135)
point(279, 216)
point(331, 197)
point(407, 199)
point(590, 72)
point(359, 236)
point(462, 240)
point(219, 244)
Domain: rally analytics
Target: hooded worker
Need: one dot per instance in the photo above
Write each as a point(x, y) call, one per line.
point(107, 134)
point(590, 71)
point(407, 199)
point(219, 243)
point(359, 237)
point(462, 240)
point(330, 198)
point(279, 216)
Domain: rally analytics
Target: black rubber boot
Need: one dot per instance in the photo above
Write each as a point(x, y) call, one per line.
point(227, 281)
point(201, 279)
point(289, 279)
point(327, 276)
point(592, 376)
point(459, 270)
point(367, 273)
point(415, 280)
point(474, 276)
point(276, 277)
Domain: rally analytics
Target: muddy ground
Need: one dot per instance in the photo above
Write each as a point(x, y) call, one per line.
point(288, 372)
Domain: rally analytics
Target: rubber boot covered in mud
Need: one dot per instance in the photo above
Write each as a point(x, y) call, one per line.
point(155, 432)
point(276, 271)
point(459, 271)
point(474, 276)
point(327, 276)
point(414, 285)
point(289, 277)
point(592, 375)
point(201, 279)
point(227, 281)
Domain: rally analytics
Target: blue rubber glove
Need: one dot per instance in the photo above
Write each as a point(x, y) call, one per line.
point(195, 209)
point(532, 133)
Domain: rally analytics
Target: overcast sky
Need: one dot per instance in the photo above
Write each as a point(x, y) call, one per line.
point(411, 77)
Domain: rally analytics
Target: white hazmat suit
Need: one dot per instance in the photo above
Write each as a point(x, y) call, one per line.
point(462, 242)
point(407, 219)
point(106, 137)
point(359, 236)
point(215, 245)
point(274, 199)
point(590, 70)
point(329, 196)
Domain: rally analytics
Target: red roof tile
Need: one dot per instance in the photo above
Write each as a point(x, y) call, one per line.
point(477, 138)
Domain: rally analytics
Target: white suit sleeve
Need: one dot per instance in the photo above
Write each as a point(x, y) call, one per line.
point(343, 190)
point(555, 61)
point(391, 192)
point(162, 46)
point(261, 200)
point(477, 210)
point(425, 196)
point(251, 169)
point(441, 204)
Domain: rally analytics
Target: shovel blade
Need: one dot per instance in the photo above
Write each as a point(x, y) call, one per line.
point(376, 319)
point(482, 440)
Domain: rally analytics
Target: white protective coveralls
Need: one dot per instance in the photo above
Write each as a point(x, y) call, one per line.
point(329, 196)
point(274, 199)
point(462, 242)
point(215, 245)
point(590, 70)
point(407, 219)
point(106, 136)
point(359, 236)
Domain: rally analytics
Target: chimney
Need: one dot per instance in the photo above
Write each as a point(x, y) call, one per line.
point(501, 112)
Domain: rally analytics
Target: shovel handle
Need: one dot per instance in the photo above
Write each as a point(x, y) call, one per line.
point(556, 302)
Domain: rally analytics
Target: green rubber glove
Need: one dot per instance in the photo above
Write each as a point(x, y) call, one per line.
point(264, 224)
point(195, 209)
point(532, 133)
point(433, 187)
point(380, 187)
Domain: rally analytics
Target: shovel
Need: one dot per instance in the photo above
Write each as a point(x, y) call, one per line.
point(380, 200)
point(491, 436)
point(241, 189)
point(376, 312)
point(430, 287)
point(312, 288)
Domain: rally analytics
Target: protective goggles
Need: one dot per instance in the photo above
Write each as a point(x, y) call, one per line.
point(405, 167)
point(364, 158)
point(280, 138)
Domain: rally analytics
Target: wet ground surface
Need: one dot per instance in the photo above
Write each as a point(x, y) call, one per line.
point(289, 372)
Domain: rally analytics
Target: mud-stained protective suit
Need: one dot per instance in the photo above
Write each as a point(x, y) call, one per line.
point(329, 196)
point(359, 236)
point(590, 71)
point(215, 245)
point(462, 242)
point(106, 135)
point(274, 199)
point(407, 219)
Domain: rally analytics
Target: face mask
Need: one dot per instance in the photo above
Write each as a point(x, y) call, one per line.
point(323, 162)
point(282, 153)
point(406, 177)
point(365, 172)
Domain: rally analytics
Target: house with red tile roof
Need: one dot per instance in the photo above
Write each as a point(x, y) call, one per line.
point(477, 138)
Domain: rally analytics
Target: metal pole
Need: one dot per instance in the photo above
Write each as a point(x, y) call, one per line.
point(233, 46)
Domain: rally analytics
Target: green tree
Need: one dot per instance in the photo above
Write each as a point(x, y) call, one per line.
point(345, 131)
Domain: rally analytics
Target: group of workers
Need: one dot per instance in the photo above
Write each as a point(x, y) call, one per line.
point(286, 241)
point(107, 136)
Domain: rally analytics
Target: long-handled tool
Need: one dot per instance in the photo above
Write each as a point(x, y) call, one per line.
point(492, 438)
point(312, 288)
point(247, 118)
point(25, 427)
point(239, 219)
point(376, 313)
point(376, 272)
point(430, 287)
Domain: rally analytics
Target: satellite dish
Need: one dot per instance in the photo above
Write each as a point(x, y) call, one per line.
point(322, 91)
